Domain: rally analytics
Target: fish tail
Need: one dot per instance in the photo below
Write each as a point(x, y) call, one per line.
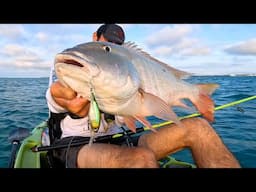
point(204, 103)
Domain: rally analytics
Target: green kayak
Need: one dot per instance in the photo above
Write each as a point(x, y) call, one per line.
point(27, 158)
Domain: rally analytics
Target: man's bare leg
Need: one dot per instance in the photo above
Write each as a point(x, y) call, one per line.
point(100, 155)
point(207, 148)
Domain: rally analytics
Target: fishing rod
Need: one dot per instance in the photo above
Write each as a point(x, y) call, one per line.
point(198, 114)
point(139, 129)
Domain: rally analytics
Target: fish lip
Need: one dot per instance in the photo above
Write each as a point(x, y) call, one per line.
point(69, 60)
point(77, 61)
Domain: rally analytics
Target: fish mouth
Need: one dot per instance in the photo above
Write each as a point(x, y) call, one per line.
point(81, 64)
point(69, 60)
point(72, 62)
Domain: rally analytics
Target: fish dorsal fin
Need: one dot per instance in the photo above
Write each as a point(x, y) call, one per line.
point(178, 73)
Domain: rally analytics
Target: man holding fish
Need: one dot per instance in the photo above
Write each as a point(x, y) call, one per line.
point(110, 78)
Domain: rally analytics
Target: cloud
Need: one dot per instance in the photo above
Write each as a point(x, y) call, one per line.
point(12, 31)
point(208, 68)
point(197, 51)
point(37, 46)
point(53, 39)
point(42, 37)
point(212, 65)
point(13, 50)
point(26, 63)
point(243, 48)
point(176, 41)
point(17, 51)
point(162, 51)
point(15, 55)
point(33, 64)
point(184, 47)
point(168, 35)
point(72, 38)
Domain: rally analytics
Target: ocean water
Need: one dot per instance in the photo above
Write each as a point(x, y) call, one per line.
point(23, 105)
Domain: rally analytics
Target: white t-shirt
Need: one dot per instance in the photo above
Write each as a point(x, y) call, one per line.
point(75, 127)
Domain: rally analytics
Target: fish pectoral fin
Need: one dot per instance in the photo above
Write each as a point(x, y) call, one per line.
point(130, 123)
point(153, 105)
point(105, 124)
point(145, 122)
point(119, 120)
point(180, 103)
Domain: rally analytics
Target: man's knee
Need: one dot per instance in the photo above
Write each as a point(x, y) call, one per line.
point(112, 156)
point(142, 140)
point(145, 158)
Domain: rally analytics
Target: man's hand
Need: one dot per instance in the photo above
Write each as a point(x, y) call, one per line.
point(67, 98)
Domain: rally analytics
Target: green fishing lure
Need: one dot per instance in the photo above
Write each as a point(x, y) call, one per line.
point(94, 114)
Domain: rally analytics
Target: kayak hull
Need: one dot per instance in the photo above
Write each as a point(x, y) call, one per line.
point(26, 158)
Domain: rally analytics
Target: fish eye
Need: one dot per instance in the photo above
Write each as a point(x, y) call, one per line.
point(107, 48)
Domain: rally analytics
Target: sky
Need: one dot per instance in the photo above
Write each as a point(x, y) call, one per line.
point(28, 50)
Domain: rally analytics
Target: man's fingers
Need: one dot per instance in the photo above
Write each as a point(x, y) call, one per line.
point(59, 91)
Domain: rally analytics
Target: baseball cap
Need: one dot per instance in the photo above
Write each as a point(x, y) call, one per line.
point(113, 33)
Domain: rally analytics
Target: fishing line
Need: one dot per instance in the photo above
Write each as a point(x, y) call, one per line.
point(68, 148)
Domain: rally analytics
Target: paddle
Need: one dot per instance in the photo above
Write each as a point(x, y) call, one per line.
point(15, 137)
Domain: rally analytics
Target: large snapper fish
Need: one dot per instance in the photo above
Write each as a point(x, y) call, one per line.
point(129, 83)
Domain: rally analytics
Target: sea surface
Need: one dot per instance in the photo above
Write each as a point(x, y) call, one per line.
point(23, 105)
